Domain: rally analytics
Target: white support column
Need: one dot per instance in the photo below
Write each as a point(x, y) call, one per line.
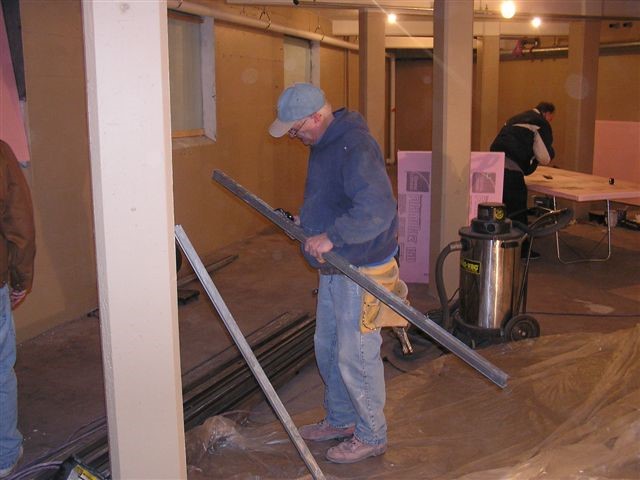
point(130, 142)
point(372, 72)
point(452, 87)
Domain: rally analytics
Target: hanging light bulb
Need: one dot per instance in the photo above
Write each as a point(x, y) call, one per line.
point(536, 22)
point(392, 18)
point(508, 9)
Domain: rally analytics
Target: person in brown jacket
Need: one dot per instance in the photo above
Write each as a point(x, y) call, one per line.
point(17, 252)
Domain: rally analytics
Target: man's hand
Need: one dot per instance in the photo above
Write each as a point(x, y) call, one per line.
point(317, 245)
point(16, 297)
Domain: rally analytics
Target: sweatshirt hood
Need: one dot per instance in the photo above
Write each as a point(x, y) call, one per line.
point(343, 121)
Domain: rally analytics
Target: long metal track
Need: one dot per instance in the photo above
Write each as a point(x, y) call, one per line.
point(421, 321)
point(222, 382)
point(232, 383)
point(247, 353)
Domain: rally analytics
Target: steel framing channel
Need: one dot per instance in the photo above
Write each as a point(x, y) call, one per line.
point(421, 321)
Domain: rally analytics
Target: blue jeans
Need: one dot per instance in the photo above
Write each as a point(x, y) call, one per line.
point(10, 437)
point(349, 361)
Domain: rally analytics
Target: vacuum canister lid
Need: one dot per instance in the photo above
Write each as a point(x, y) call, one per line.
point(492, 220)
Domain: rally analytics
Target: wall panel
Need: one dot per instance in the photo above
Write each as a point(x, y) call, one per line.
point(65, 285)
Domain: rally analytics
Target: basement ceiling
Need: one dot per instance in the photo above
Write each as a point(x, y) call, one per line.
point(411, 31)
point(556, 9)
point(555, 14)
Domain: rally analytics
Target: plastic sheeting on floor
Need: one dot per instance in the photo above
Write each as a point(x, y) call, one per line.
point(571, 410)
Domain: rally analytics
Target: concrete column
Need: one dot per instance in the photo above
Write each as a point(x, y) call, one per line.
point(130, 144)
point(452, 86)
point(372, 71)
point(486, 90)
point(581, 86)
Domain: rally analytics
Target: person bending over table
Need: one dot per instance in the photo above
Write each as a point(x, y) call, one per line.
point(527, 141)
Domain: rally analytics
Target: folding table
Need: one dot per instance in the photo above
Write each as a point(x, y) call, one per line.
point(581, 187)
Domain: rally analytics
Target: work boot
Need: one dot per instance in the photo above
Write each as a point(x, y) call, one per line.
point(353, 450)
point(319, 432)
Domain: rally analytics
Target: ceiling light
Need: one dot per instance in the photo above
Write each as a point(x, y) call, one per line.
point(392, 17)
point(508, 9)
point(536, 22)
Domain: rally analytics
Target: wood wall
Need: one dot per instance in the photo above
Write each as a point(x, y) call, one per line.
point(249, 79)
point(523, 84)
point(65, 284)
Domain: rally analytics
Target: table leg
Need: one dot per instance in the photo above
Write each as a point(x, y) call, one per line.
point(597, 259)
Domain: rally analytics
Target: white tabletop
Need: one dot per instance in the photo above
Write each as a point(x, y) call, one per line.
point(580, 187)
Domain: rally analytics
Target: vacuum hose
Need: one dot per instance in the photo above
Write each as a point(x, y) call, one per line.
point(442, 291)
point(546, 224)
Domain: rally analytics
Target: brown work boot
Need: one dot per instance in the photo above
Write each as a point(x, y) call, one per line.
point(319, 432)
point(353, 450)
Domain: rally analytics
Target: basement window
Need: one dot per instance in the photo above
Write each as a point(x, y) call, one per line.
point(192, 75)
point(297, 60)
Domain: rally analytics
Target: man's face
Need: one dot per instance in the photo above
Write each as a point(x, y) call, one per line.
point(303, 130)
point(548, 116)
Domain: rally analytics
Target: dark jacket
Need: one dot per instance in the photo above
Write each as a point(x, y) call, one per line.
point(348, 194)
point(516, 140)
point(17, 245)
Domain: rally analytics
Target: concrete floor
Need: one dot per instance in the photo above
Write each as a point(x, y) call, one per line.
point(60, 374)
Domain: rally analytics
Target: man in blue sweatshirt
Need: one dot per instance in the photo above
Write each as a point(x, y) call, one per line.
point(348, 208)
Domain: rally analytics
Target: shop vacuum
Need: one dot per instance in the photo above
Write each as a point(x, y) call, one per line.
point(491, 304)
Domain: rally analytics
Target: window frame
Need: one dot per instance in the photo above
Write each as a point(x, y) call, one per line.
point(207, 77)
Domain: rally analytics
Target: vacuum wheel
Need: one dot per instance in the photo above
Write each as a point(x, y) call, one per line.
point(521, 327)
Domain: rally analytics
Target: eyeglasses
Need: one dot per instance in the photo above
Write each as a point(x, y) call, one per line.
point(293, 132)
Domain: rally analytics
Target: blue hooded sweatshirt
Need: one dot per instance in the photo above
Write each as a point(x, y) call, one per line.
point(348, 194)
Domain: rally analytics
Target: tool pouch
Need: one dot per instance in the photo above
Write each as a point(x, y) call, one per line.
point(376, 314)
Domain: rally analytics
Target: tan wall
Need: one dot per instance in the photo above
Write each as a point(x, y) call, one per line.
point(620, 100)
point(525, 83)
point(248, 84)
point(414, 100)
point(333, 76)
point(618, 91)
point(249, 79)
point(65, 285)
point(522, 85)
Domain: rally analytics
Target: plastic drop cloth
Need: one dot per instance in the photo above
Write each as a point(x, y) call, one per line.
point(571, 410)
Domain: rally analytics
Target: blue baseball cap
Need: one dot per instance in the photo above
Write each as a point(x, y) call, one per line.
point(295, 103)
